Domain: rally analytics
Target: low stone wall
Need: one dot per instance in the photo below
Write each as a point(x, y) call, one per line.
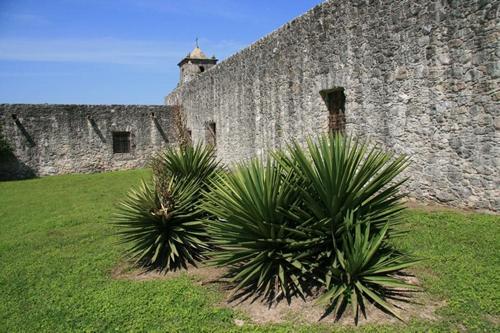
point(56, 139)
point(420, 78)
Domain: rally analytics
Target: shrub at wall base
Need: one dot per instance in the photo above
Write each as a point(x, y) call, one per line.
point(161, 221)
point(310, 219)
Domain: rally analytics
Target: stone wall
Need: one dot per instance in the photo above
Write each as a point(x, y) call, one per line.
point(420, 78)
point(55, 139)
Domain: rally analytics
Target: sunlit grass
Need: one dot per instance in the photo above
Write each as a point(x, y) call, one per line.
point(57, 250)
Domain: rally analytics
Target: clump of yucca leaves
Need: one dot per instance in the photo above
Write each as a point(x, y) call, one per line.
point(256, 237)
point(314, 217)
point(162, 221)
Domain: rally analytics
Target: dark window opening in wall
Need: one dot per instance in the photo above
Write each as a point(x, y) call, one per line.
point(202, 69)
point(121, 142)
point(211, 134)
point(335, 102)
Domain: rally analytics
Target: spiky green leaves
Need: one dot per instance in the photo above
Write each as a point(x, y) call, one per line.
point(162, 221)
point(256, 239)
point(352, 190)
point(163, 233)
point(197, 163)
point(362, 271)
point(313, 218)
point(316, 215)
point(337, 176)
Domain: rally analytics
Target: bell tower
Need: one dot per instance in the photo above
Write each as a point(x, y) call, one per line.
point(195, 63)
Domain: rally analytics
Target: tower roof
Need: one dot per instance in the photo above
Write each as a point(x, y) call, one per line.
point(197, 53)
point(197, 56)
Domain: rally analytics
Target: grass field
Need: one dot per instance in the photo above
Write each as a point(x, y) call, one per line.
point(57, 250)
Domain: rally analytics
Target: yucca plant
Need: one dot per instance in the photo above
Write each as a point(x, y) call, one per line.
point(196, 163)
point(256, 240)
point(363, 269)
point(322, 214)
point(336, 175)
point(164, 229)
point(162, 221)
point(351, 192)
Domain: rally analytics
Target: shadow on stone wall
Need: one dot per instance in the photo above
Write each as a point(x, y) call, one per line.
point(24, 131)
point(160, 129)
point(96, 129)
point(11, 168)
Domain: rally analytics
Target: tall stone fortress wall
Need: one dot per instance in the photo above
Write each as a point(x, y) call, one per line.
point(54, 139)
point(419, 77)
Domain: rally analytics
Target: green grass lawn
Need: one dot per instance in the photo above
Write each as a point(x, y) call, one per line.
point(57, 250)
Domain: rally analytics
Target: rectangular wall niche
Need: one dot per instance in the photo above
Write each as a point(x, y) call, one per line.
point(121, 142)
point(335, 102)
point(211, 134)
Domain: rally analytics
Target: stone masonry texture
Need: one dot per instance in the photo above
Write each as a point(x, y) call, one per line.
point(55, 139)
point(420, 78)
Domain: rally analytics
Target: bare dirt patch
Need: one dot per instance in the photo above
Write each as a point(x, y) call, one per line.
point(495, 320)
point(298, 311)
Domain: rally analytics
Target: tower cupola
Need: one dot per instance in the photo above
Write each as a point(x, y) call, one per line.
point(195, 63)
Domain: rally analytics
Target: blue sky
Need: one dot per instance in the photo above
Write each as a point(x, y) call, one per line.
point(121, 51)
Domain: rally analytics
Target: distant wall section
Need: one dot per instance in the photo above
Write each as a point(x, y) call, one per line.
point(50, 139)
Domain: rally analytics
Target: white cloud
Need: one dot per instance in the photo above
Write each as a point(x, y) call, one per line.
point(107, 50)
